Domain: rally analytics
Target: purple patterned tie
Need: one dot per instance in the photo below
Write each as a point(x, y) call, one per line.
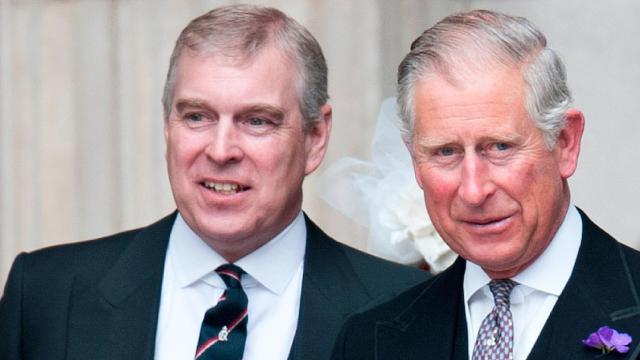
point(495, 337)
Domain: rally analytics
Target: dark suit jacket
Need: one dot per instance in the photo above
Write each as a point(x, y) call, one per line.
point(428, 321)
point(100, 299)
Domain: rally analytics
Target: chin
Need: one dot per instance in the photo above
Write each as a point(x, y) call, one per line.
point(496, 260)
point(227, 233)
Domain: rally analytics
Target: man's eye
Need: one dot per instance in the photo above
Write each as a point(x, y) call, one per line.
point(502, 146)
point(194, 117)
point(446, 151)
point(256, 121)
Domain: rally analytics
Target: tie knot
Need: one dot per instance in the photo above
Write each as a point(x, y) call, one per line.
point(501, 290)
point(230, 274)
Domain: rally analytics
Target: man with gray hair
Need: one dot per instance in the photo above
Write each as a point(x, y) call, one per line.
point(238, 271)
point(488, 120)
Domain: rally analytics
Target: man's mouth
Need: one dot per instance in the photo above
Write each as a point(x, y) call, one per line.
point(485, 221)
point(227, 188)
point(489, 224)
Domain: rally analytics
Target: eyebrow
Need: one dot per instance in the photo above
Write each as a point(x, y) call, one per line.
point(430, 143)
point(427, 142)
point(273, 111)
point(186, 103)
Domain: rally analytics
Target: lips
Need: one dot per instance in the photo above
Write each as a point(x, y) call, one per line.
point(495, 224)
point(487, 221)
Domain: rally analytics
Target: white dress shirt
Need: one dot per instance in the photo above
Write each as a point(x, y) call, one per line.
point(540, 285)
point(191, 286)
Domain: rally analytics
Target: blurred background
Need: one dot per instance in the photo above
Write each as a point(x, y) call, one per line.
point(81, 145)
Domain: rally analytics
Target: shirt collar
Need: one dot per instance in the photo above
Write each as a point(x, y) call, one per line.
point(550, 272)
point(272, 265)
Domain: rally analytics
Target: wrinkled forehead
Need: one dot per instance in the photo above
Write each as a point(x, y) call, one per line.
point(471, 69)
point(239, 57)
point(272, 56)
point(228, 54)
point(493, 98)
point(491, 84)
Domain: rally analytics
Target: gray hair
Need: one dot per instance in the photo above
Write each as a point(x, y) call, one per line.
point(241, 31)
point(472, 41)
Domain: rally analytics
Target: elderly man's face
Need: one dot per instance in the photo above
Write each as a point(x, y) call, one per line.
point(236, 150)
point(493, 190)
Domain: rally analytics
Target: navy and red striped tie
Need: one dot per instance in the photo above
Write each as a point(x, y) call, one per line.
point(224, 327)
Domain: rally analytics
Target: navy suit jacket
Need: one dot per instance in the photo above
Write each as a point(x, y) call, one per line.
point(100, 299)
point(428, 321)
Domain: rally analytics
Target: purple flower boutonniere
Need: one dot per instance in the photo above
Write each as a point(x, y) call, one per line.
point(608, 340)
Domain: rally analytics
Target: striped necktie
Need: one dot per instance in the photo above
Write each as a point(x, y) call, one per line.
point(224, 328)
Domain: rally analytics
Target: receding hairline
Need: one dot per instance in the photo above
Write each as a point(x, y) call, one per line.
point(238, 58)
point(239, 30)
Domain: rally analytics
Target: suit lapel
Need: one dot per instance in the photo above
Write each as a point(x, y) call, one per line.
point(433, 326)
point(600, 292)
point(117, 319)
point(324, 303)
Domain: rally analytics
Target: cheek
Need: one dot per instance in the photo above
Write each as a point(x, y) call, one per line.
point(536, 188)
point(439, 193)
point(531, 182)
point(286, 158)
point(182, 154)
point(174, 153)
point(438, 187)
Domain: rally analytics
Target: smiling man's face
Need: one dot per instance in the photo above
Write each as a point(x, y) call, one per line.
point(493, 189)
point(236, 149)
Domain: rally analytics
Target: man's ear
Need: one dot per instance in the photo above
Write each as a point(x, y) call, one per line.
point(317, 139)
point(568, 143)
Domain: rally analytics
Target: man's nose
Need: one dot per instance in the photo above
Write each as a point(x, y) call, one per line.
point(225, 143)
point(476, 184)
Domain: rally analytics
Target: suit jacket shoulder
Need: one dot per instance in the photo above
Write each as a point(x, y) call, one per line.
point(58, 300)
point(409, 326)
point(602, 290)
point(379, 277)
point(338, 281)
